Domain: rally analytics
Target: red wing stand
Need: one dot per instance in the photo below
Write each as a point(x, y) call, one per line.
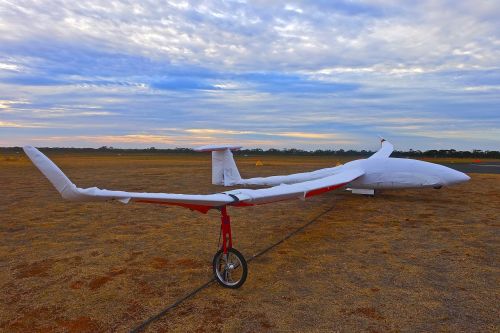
point(229, 265)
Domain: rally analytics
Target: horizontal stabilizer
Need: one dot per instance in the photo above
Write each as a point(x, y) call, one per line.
point(216, 148)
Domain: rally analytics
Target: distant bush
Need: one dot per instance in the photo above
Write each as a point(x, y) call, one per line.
point(476, 153)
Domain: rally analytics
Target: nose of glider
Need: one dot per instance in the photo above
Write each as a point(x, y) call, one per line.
point(455, 177)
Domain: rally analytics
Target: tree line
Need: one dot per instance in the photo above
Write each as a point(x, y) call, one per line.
point(476, 153)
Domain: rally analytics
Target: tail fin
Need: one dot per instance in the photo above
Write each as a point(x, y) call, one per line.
point(224, 169)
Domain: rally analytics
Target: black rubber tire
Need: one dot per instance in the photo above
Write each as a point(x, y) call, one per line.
point(243, 266)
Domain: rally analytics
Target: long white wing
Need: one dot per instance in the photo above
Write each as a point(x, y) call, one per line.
point(292, 178)
point(200, 202)
point(70, 191)
point(299, 190)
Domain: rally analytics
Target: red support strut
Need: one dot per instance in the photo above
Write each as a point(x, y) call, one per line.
point(227, 241)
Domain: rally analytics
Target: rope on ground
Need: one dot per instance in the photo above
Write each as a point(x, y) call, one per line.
point(270, 247)
point(163, 312)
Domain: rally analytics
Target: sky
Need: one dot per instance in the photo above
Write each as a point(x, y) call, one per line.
point(283, 74)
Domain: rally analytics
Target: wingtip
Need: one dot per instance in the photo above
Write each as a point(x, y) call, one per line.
point(381, 138)
point(29, 150)
point(50, 170)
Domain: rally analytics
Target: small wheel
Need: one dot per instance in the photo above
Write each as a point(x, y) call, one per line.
point(230, 270)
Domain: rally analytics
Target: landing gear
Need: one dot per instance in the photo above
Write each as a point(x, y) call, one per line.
point(229, 265)
point(230, 269)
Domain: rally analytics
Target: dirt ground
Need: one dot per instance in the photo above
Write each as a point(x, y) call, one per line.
point(413, 260)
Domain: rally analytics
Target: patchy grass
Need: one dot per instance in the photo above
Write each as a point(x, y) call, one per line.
point(421, 260)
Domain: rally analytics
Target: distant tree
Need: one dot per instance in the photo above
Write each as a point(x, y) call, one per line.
point(476, 153)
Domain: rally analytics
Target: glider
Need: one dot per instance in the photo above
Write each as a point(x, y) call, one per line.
point(362, 176)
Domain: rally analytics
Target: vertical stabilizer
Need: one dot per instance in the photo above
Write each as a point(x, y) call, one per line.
point(224, 169)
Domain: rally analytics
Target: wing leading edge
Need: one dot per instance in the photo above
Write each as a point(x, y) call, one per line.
point(199, 202)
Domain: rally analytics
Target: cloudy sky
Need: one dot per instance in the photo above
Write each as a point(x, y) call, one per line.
point(317, 74)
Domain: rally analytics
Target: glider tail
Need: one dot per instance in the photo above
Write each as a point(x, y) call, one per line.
point(224, 169)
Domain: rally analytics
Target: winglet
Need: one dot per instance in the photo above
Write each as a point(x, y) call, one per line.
point(62, 183)
point(385, 150)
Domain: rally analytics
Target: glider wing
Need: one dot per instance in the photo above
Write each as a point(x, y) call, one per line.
point(301, 190)
point(199, 202)
point(70, 191)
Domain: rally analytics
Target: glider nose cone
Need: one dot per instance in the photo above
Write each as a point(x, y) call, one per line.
point(456, 177)
point(464, 178)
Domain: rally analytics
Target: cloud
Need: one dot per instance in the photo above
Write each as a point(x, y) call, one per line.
point(482, 88)
point(134, 141)
point(302, 135)
point(191, 138)
point(7, 104)
point(11, 124)
point(305, 74)
point(265, 36)
point(9, 67)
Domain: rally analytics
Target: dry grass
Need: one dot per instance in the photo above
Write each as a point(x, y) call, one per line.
point(403, 261)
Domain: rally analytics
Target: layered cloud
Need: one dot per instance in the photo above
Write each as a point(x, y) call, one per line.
point(323, 74)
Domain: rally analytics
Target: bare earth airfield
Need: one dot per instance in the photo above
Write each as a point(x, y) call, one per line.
point(412, 260)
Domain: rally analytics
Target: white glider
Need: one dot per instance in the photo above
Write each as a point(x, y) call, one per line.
point(379, 171)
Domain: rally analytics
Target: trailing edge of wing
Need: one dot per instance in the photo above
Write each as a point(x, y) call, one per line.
point(200, 202)
point(298, 190)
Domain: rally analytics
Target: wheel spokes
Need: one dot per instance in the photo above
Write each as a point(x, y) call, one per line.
point(227, 266)
point(230, 268)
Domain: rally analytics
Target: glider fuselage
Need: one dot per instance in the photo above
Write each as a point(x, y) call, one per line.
point(399, 173)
